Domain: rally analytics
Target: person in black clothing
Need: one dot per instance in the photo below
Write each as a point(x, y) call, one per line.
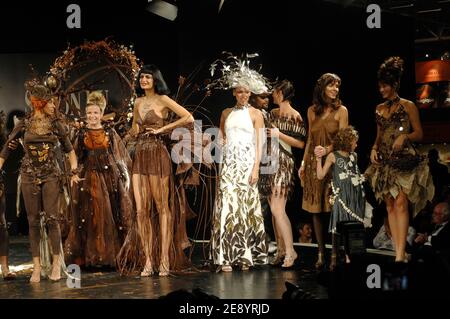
point(4, 239)
point(439, 172)
point(439, 239)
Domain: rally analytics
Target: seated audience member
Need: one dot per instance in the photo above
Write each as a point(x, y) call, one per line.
point(383, 240)
point(439, 238)
point(305, 233)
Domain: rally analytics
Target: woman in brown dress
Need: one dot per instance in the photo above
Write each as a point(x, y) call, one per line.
point(102, 211)
point(397, 175)
point(325, 117)
point(42, 176)
point(157, 205)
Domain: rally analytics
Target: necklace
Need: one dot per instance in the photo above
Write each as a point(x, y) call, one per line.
point(240, 107)
point(389, 103)
point(40, 125)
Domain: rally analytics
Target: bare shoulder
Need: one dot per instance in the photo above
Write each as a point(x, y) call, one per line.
point(342, 110)
point(409, 105)
point(226, 111)
point(296, 115)
point(164, 98)
point(254, 111)
point(139, 99)
point(311, 114)
point(380, 107)
point(331, 157)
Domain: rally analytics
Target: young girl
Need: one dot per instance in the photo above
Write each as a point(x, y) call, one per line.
point(347, 200)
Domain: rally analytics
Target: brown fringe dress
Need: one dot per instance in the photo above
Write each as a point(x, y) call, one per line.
point(316, 192)
point(284, 160)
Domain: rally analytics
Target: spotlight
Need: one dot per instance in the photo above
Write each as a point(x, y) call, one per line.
point(163, 9)
point(426, 55)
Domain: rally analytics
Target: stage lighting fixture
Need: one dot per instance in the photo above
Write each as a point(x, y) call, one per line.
point(164, 9)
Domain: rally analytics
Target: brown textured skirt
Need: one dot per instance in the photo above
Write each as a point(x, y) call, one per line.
point(281, 183)
point(151, 156)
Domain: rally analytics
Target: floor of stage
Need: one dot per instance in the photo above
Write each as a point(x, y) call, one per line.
point(265, 282)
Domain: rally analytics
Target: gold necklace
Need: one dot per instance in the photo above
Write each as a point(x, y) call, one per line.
point(40, 125)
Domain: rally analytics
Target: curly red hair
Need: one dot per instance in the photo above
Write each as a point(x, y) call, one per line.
point(343, 139)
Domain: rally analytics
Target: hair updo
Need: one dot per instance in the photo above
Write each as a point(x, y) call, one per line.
point(391, 71)
point(96, 98)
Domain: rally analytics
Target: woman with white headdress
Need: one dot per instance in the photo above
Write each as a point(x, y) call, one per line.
point(238, 236)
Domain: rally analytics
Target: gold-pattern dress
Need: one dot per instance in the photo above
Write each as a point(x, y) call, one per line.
point(316, 192)
point(238, 236)
point(385, 179)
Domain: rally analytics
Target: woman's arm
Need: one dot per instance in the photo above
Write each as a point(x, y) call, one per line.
point(323, 171)
point(16, 133)
point(291, 140)
point(301, 170)
point(185, 116)
point(222, 136)
point(417, 133)
point(68, 148)
point(258, 124)
point(310, 116)
point(373, 152)
point(134, 125)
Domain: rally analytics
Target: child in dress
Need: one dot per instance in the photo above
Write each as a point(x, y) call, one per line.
point(347, 199)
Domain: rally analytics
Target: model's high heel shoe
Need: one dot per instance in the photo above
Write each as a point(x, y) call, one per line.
point(227, 268)
point(333, 262)
point(320, 261)
point(289, 261)
point(35, 276)
point(278, 260)
point(6, 274)
point(164, 268)
point(148, 270)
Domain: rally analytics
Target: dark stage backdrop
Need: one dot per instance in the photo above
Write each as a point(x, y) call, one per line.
point(297, 40)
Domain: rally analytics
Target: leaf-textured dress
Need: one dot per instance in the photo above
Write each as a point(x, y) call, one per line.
point(238, 235)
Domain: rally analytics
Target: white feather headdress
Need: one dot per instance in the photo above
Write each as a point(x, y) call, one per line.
point(236, 72)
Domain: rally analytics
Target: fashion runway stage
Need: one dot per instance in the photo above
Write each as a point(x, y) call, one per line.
point(265, 282)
